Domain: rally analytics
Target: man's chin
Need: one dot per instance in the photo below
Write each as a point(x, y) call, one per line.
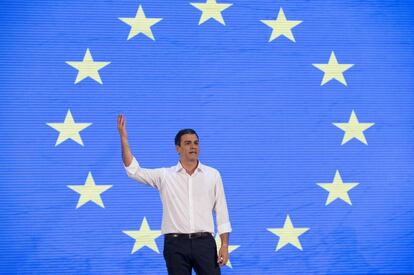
point(193, 157)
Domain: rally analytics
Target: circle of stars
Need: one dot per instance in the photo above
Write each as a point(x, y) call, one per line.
point(88, 68)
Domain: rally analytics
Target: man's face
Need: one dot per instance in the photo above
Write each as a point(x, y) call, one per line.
point(188, 148)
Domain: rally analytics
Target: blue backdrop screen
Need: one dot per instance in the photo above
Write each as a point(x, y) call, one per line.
point(305, 107)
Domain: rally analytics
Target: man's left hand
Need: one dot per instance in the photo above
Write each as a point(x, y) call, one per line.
point(223, 255)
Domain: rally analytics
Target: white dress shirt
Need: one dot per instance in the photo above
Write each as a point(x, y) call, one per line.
point(188, 200)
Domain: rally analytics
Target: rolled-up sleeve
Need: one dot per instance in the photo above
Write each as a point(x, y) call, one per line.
point(151, 177)
point(220, 207)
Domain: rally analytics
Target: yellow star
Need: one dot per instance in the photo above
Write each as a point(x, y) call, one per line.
point(144, 237)
point(338, 189)
point(87, 68)
point(281, 26)
point(140, 24)
point(211, 9)
point(333, 70)
point(288, 234)
point(231, 248)
point(90, 191)
point(69, 129)
point(354, 129)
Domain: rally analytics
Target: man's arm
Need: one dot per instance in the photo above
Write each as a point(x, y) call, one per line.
point(220, 207)
point(224, 239)
point(223, 222)
point(223, 254)
point(152, 177)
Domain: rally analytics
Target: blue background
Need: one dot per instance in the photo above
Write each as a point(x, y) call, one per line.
point(262, 116)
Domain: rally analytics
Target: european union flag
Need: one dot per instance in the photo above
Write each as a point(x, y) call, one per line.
point(305, 107)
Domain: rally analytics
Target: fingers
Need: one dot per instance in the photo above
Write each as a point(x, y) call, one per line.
point(222, 262)
point(121, 121)
point(222, 259)
point(122, 125)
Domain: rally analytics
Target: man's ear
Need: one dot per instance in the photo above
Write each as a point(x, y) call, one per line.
point(177, 148)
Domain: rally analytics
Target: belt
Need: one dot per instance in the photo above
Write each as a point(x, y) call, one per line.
point(189, 236)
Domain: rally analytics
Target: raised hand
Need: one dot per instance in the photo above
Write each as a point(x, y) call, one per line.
point(126, 152)
point(122, 126)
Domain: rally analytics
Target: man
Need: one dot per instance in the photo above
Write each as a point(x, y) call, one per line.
point(190, 192)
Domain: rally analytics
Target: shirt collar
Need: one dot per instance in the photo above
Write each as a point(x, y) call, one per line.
point(179, 167)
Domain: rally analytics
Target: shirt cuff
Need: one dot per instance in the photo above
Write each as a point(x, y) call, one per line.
point(224, 228)
point(133, 167)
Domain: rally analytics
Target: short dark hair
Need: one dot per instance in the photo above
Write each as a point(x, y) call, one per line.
point(183, 132)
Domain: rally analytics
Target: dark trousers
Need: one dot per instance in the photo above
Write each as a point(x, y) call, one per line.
point(182, 254)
